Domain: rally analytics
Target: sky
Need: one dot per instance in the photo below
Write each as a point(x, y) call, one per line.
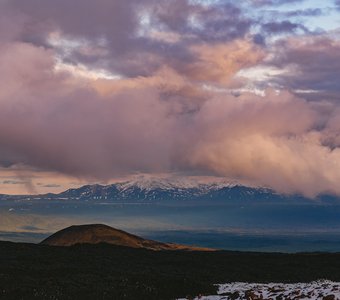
point(94, 91)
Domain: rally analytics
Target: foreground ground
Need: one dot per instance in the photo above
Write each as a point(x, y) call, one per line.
point(316, 290)
point(29, 271)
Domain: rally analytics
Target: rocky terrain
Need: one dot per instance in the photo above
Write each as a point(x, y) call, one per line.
point(322, 289)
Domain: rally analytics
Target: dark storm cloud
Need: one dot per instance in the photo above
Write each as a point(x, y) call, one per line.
point(292, 15)
point(316, 62)
point(309, 12)
point(115, 20)
point(274, 2)
point(282, 27)
point(114, 26)
point(337, 3)
point(220, 22)
point(13, 182)
point(49, 185)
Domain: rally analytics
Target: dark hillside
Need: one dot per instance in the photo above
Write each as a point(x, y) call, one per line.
point(103, 271)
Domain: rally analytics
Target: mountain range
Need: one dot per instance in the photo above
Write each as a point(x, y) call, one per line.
point(153, 190)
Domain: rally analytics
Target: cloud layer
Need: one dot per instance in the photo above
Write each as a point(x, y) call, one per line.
point(110, 88)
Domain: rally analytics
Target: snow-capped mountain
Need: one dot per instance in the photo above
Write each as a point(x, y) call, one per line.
point(146, 189)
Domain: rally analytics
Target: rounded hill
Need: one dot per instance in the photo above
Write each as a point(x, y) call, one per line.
point(99, 233)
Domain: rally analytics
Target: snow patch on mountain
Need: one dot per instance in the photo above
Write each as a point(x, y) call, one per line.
point(147, 188)
point(147, 183)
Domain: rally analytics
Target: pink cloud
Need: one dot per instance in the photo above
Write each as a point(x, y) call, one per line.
point(171, 109)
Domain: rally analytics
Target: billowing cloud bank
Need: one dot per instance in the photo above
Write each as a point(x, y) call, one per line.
point(99, 89)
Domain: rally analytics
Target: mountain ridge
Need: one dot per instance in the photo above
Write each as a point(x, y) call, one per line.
point(144, 188)
point(168, 190)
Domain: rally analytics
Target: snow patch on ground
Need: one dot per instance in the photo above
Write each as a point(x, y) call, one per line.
point(322, 289)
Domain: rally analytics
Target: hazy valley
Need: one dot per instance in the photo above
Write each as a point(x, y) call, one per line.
point(223, 215)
